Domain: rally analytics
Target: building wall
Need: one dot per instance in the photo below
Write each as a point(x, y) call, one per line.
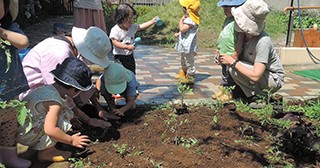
point(281, 4)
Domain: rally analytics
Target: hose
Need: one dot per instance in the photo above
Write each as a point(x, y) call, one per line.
point(315, 59)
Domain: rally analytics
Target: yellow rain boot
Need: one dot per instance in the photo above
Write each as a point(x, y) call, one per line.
point(218, 93)
point(188, 79)
point(226, 96)
point(180, 75)
point(52, 154)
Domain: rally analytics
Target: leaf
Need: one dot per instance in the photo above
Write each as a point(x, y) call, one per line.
point(215, 119)
point(22, 115)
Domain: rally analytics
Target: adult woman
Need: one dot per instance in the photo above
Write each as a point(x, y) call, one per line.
point(259, 68)
point(88, 13)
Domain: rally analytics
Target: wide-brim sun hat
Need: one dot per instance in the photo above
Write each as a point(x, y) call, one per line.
point(250, 17)
point(73, 72)
point(116, 78)
point(93, 44)
point(14, 9)
point(193, 7)
point(226, 3)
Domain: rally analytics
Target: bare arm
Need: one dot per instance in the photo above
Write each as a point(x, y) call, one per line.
point(130, 101)
point(183, 27)
point(51, 129)
point(18, 40)
point(253, 75)
point(118, 44)
point(147, 24)
point(239, 45)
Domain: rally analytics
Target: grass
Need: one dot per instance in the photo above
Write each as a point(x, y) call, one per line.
point(212, 18)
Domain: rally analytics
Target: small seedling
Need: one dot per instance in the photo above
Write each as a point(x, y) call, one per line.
point(78, 163)
point(121, 149)
point(183, 89)
point(156, 165)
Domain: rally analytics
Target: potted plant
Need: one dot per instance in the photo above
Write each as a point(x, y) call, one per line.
point(183, 89)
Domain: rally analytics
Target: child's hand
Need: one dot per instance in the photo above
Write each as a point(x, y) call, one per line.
point(176, 35)
point(217, 57)
point(130, 47)
point(105, 115)
point(98, 123)
point(79, 140)
point(155, 19)
point(183, 17)
point(75, 122)
point(118, 112)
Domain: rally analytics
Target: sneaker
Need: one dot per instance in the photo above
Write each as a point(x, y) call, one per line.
point(188, 79)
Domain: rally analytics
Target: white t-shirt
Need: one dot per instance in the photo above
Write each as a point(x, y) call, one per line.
point(88, 4)
point(124, 36)
point(188, 41)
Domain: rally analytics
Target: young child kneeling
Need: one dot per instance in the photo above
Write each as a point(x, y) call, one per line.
point(118, 80)
point(50, 114)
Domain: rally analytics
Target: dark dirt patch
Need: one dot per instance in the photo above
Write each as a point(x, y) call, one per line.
point(232, 138)
point(157, 141)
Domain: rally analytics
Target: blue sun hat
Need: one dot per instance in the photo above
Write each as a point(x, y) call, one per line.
point(226, 3)
point(73, 72)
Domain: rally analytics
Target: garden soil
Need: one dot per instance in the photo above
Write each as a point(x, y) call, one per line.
point(158, 138)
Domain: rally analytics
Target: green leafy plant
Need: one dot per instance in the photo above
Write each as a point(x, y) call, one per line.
point(186, 142)
point(2, 166)
point(79, 163)
point(183, 89)
point(22, 112)
point(215, 119)
point(121, 149)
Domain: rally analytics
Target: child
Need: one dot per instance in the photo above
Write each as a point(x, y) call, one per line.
point(122, 35)
point(50, 114)
point(13, 82)
point(187, 44)
point(229, 42)
point(118, 80)
point(59, 28)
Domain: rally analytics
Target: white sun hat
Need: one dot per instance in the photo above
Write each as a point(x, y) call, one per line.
point(93, 44)
point(250, 17)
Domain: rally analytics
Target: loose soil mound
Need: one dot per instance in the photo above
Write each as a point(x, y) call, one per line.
point(194, 139)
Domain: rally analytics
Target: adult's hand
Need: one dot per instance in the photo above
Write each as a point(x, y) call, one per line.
point(226, 59)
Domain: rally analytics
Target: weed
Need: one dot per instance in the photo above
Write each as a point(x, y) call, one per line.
point(156, 165)
point(121, 149)
point(214, 120)
point(78, 163)
point(164, 106)
point(246, 130)
point(187, 143)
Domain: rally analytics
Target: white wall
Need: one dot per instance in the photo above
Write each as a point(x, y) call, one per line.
point(281, 4)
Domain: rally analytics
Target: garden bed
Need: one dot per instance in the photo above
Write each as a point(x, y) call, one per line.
point(205, 136)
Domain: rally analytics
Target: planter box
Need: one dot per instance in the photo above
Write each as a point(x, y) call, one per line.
point(312, 38)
